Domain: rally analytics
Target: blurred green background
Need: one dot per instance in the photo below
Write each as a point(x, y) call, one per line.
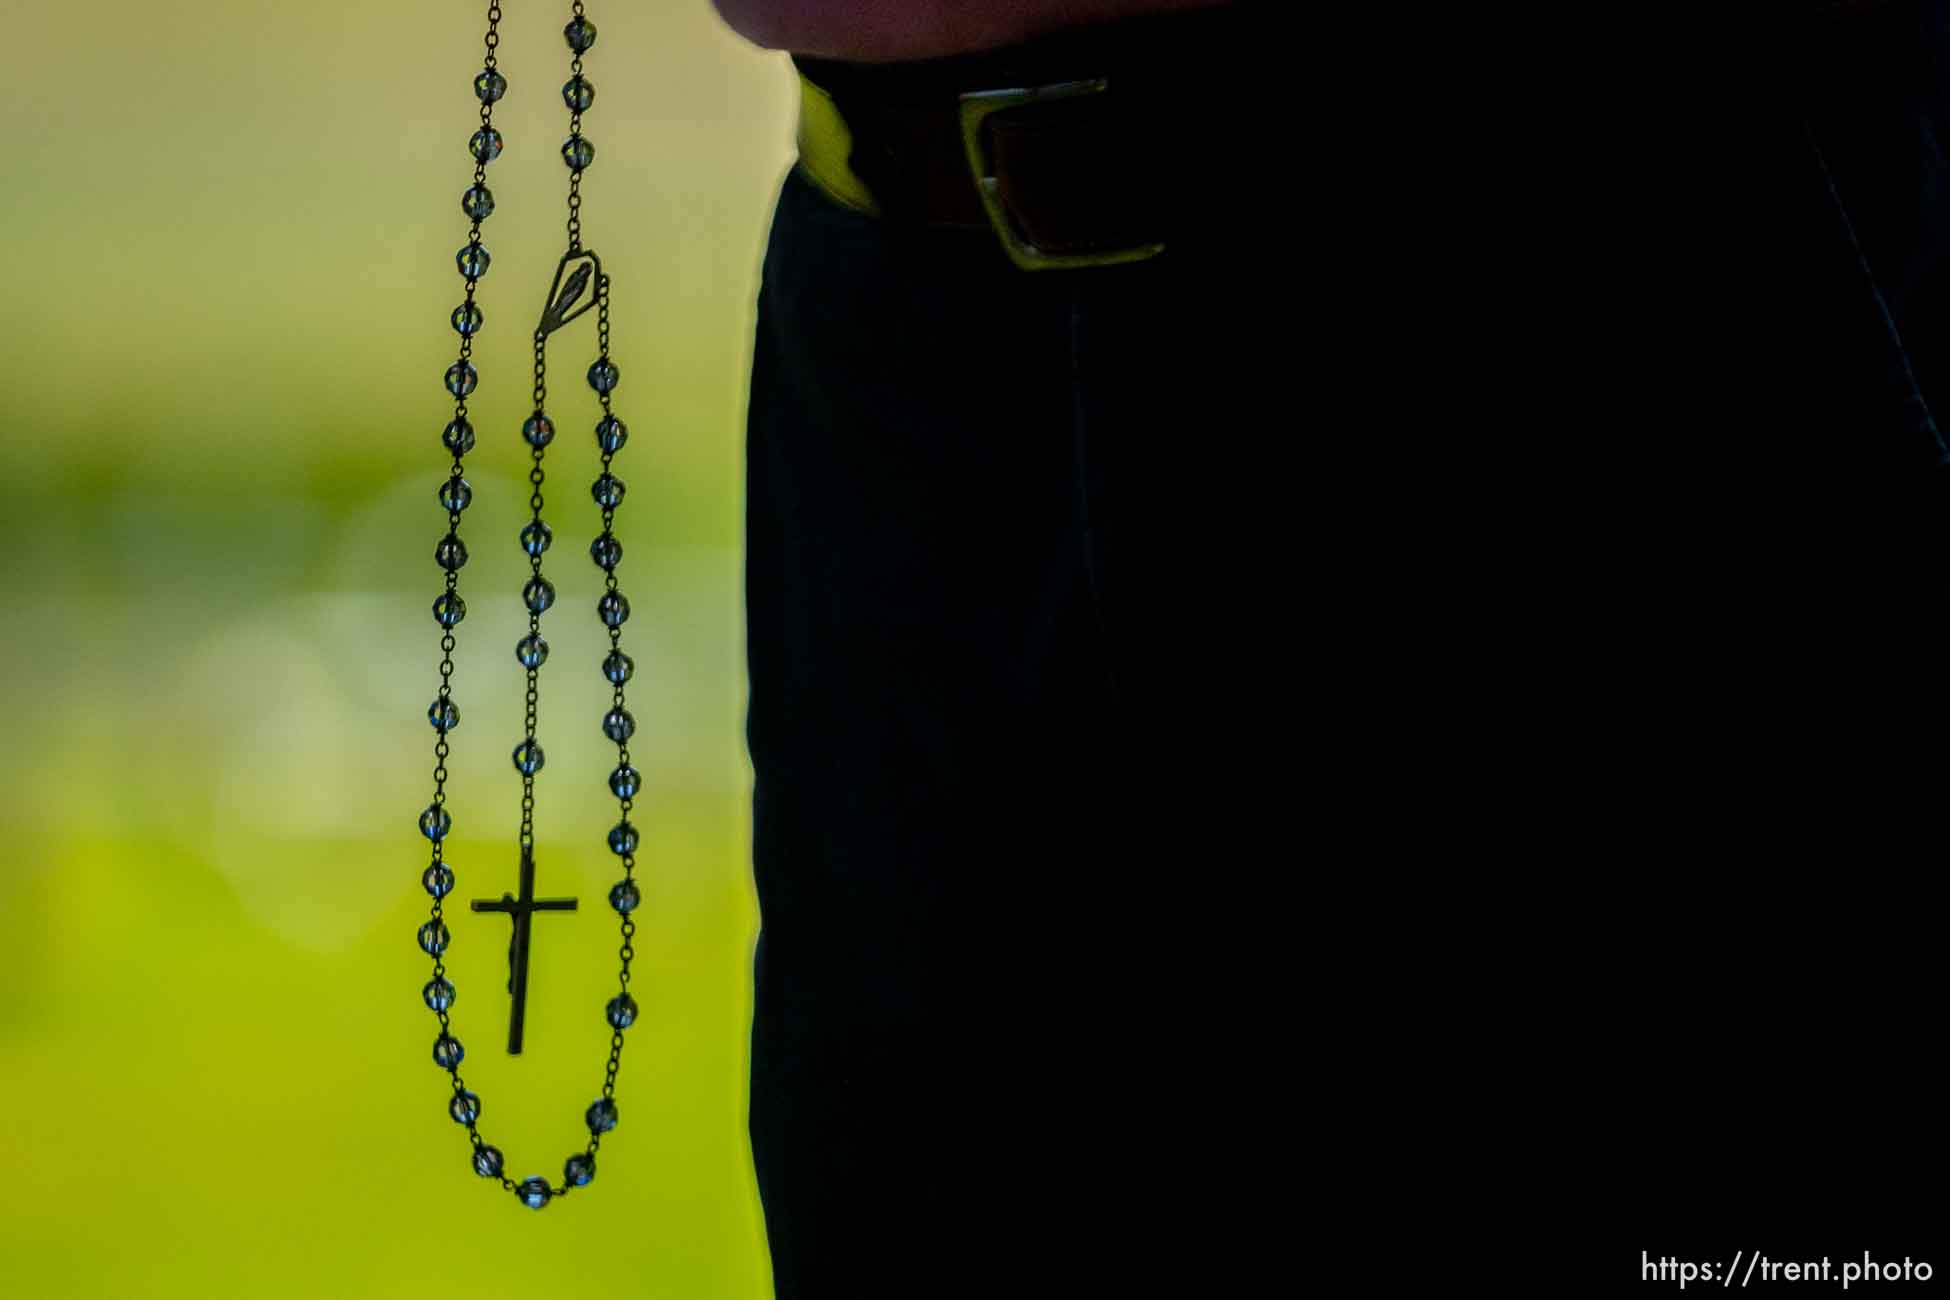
point(226, 248)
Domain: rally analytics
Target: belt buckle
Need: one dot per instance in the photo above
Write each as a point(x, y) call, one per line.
point(976, 107)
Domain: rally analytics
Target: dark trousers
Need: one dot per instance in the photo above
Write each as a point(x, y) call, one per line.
point(1366, 709)
point(1709, 644)
point(987, 567)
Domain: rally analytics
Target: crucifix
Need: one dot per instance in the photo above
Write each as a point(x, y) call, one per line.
point(522, 910)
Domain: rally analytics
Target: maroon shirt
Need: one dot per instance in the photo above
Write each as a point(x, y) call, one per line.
point(877, 31)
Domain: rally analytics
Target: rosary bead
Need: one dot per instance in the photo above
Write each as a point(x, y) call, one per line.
point(443, 714)
point(535, 537)
point(580, 34)
point(603, 374)
point(606, 551)
point(485, 145)
point(538, 594)
point(613, 609)
point(449, 609)
point(608, 490)
point(578, 152)
point(434, 938)
point(438, 879)
point(533, 1192)
point(447, 1051)
point(617, 667)
point(624, 896)
point(578, 1169)
point(472, 260)
point(538, 429)
point(465, 1107)
point(435, 823)
point(618, 725)
point(455, 494)
point(487, 1162)
point(578, 93)
point(625, 781)
point(611, 433)
point(621, 1011)
point(450, 553)
point(458, 437)
point(439, 994)
point(601, 1115)
point(490, 86)
point(461, 378)
point(622, 839)
point(528, 758)
point(477, 202)
point(466, 319)
point(531, 651)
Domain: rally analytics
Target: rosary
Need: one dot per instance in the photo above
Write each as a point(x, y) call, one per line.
point(578, 271)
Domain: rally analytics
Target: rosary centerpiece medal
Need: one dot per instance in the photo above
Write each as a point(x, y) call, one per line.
point(578, 287)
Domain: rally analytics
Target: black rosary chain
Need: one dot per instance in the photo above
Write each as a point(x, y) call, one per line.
point(625, 792)
point(449, 609)
point(537, 595)
point(569, 92)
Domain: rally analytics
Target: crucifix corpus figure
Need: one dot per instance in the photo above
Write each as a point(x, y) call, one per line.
point(522, 910)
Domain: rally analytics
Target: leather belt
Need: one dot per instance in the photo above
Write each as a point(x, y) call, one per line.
point(1054, 147)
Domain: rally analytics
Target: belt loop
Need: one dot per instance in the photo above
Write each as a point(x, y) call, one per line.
point(825, 139)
